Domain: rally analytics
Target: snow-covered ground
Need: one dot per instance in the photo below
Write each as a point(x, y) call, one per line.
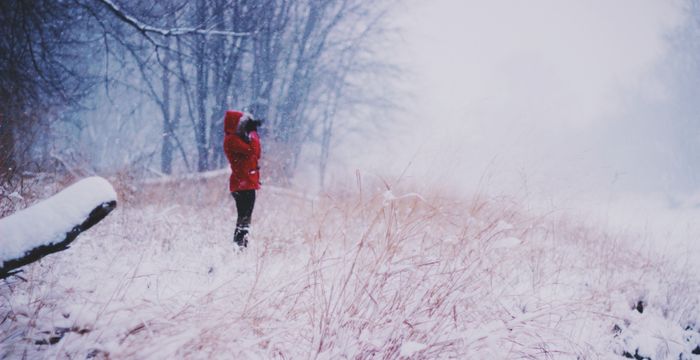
point(353, 273)
point(661, 225)
point(667, 225)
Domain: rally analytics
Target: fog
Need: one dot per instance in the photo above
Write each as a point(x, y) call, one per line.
point(543, 92)
point(572, 104)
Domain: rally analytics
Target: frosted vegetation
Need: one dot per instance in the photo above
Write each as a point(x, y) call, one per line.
point(366, 270)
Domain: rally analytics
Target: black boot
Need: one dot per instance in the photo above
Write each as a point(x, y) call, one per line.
point(240, 237)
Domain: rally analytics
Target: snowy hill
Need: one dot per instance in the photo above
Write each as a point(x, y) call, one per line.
point(352, 273)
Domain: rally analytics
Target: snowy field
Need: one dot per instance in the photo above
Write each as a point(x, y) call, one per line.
point(357, 272)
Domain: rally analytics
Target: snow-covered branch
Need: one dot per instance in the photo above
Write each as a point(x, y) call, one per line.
point(145, 29)
point(52, 225)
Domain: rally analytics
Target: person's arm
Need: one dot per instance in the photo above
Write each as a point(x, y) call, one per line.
point(235, 144)
point(255, 143)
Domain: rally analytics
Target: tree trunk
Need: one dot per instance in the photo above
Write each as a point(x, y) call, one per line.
point(166, 155)
point(7, 148)
point(201, 92)
point(216, 132)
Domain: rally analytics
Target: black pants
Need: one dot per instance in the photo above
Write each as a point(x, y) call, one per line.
point(245, 201)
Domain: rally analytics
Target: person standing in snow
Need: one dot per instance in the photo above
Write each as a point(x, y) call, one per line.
point(242, 148)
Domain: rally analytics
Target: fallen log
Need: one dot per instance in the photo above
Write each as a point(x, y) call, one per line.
point(53, 224)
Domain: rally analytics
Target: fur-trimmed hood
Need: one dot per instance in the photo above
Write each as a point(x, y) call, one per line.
point(234, 121)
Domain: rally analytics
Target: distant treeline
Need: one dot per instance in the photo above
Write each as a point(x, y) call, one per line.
point(82, 81)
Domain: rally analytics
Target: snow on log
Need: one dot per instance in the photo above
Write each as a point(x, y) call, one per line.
point(51, 225)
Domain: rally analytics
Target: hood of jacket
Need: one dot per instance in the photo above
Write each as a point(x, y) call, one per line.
point(234, 121)
point(231, 121)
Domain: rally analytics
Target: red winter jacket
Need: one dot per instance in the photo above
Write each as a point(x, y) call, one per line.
point(243, 156)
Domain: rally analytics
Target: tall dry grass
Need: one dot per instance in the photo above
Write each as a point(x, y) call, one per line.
point(365, 271)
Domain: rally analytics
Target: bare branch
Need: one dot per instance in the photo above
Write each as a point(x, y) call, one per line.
point(145, 29)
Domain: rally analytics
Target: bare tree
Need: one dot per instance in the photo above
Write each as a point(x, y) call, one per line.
point(329, 42)
point(40, 75)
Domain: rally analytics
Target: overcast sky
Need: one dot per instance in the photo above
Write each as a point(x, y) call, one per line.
point(537, 94)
